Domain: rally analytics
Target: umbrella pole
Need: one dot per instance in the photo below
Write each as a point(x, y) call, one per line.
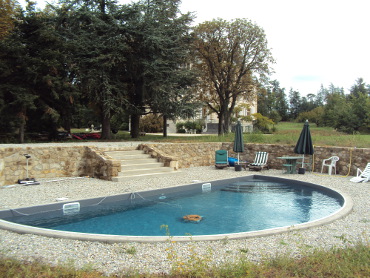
point(238, 158)
point(303, 161)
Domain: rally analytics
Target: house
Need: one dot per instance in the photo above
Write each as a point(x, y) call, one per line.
point(210, 120)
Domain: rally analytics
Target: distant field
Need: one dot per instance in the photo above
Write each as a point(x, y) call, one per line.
point(287, 133)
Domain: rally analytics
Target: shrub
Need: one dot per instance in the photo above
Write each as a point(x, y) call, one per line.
point(151, 123)
point(182, 127)
point(262, 123)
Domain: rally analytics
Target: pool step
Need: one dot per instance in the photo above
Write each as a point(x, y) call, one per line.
point(254, 187)
point(136, 163)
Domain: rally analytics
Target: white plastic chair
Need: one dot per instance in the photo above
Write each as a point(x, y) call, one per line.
point(330, 163)
point(362, 176)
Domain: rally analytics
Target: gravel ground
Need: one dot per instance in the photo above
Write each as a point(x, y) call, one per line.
point(164, 256)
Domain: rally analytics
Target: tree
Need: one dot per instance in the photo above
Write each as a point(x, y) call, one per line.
point(307, 103)
point(262, 123)
point(321, 96)
point(314, 116)
point(295, 103)
point(7, 16)
point(94, 30)
point(359, 88)
point(263, 100)
point(34, 80)
point(17, 95)
point(157, 78)
point(51, 70)
point(360, 98)
point(347, 114)
point(272, 103)
point(229, 57)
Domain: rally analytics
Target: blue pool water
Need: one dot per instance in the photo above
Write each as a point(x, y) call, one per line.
point(232, 208)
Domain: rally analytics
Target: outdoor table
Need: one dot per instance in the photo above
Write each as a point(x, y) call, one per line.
point(291, 163)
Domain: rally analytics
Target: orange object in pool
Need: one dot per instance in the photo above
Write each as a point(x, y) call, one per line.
point(192, 217)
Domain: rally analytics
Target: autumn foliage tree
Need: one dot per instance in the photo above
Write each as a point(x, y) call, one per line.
point(7, 12)
point(230, 57)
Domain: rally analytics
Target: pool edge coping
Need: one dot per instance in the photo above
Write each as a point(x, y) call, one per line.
point(342, 212)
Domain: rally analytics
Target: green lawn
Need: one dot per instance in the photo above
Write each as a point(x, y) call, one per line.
point(286, 133)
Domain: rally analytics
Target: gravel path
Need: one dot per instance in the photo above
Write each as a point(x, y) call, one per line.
point(161, 257)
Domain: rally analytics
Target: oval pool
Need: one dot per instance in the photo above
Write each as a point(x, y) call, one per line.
point(232, 208)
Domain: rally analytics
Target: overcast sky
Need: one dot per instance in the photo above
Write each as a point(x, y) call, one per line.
point(313, 42)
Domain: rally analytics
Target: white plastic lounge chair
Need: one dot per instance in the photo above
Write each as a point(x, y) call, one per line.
point(260, 161)
point(331, 163)
point(221, 159)
point(362, 176)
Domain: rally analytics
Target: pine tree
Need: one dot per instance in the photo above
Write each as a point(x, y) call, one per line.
point(155, 70)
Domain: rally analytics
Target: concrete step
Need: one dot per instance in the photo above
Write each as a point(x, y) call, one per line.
point(140, 171)
point(120, 178)
point(135, 163)
point(125, 152)
point(148, 165)
point(138, 161)
point(127, 155)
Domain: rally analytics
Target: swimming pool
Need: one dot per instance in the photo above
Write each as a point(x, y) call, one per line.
point(232, 208)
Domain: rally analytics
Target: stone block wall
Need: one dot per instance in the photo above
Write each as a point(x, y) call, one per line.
point(72, 161)
point(349, 158)
point(96, 164)
point(52, 162)
point(183, 155)
point(203, 154)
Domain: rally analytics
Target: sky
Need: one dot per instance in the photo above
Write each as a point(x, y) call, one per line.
point(314, 43)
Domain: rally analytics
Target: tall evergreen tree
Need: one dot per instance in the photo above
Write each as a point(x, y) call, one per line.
point(35, 78)
point(359, 88)
point(17, 95)
point(295, 102)
point(281, 104)
point(321, 96)
point(158, 45)
point(93, 28)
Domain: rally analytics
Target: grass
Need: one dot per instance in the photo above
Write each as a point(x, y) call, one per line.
point(350, 262)
point(286, 133)
point(353, 261)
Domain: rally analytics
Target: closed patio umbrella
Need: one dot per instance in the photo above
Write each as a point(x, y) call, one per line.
point(304, 144)
point(238, 140)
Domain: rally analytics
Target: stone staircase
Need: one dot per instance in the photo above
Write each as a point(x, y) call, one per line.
point(136, 163)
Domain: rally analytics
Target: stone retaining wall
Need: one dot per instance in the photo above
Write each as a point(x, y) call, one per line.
point(72, 161)
point(52, 162)
point(183, 155)
point(203, 154)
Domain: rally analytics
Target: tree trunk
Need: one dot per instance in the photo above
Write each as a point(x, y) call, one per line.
point(106, 130)
point(164, 126)
point(22, 125)
point(223, 119)
point(220, 123)
point(67, 123)
point(138, 99)
point(135, 122)
point(21, 132)
point(226, 125)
